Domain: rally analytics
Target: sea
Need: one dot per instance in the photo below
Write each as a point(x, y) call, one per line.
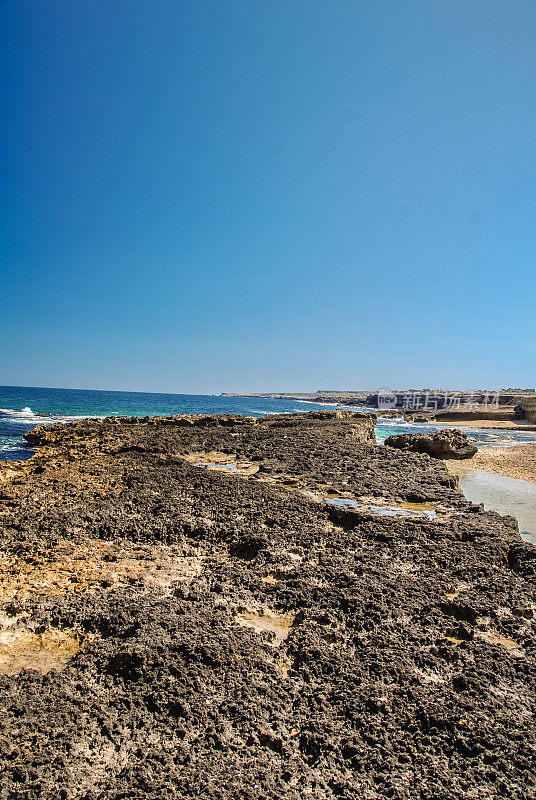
point(23, 407)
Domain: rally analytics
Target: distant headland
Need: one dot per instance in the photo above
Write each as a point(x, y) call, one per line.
point(502, 406)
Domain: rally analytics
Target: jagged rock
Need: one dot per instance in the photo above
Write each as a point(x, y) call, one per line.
point(238, 636)
point(442, 444)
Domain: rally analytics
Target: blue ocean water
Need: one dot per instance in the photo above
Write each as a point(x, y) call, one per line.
point(23, 407)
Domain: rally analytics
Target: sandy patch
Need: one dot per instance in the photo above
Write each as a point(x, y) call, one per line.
point(94, 565)
point(488, 423)
point(265, 621)
point(518, 462)
point(23, 649)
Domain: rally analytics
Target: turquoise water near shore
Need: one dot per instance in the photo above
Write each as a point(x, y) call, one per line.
point(504, 495)
point(481, 437)
point(23, 407)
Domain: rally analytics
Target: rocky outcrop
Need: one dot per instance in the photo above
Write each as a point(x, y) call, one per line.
point(442, 444)
point(174, 628)
point(528, 404)
point(91, 430)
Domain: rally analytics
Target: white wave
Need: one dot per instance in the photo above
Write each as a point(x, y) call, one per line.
point(12, 412)
point(339, 406)
point(27, 415)
point(272, 413)
point(315, 403)
point(15, 449)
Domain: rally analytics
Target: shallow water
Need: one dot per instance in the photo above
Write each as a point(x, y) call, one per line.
point(211, 465)
point(405, 509)
point(343, 502)
point(481, 437)
point(504, 495)
point(392, 511)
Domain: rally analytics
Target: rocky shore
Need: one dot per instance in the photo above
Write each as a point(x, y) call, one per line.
point(512, 462)
point(492, 424)
point(223, 607)
point(445, 444)
point(508, 414)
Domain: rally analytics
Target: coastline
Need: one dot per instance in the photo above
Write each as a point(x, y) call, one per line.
point(187, 577)
point(486, 423)
point(517, 461)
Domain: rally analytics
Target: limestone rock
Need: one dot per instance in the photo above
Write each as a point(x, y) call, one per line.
point(441, 444)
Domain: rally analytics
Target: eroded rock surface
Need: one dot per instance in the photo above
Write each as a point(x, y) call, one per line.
point(225, 633)
point(448, 443)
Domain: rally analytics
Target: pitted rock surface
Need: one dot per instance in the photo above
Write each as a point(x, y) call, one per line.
point(238, 637)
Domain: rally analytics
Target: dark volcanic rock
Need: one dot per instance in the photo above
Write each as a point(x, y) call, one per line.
point(175, 631)
point(442, 444)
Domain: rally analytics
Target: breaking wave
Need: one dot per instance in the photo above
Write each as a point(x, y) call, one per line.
point(26, 415)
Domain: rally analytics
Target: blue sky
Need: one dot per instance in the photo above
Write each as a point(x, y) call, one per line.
point(270, 195)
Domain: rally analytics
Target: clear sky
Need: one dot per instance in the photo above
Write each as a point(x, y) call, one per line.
point(234, 195)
